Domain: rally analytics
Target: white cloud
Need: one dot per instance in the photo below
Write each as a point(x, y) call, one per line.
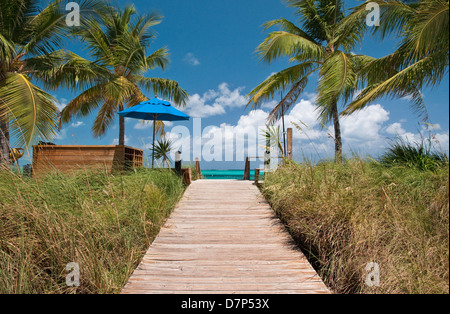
point(439, 138)
point(304, 111)
point(364, 125)
point(77, 124)
point(218, 101)
point(395, 129)
point(60, 103)
point(245, 138)
point(273, 73)
point(229, 98)
point(442, 141)
point(410, 97)
point(269, 105)
point(116, 141)
point(364, 132)
point(198, 108)
point(215, 102)
point(61, 135)
point(191, 59)
point(144, 125)
point(236, 142)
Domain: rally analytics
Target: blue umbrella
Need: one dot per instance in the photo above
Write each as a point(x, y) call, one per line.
point(154, 109)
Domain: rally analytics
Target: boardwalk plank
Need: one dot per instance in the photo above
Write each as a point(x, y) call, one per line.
point(223, 237)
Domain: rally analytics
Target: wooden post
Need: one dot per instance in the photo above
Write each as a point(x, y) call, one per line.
point(197, 168)
point(187, 175)
point(247, 169)
point(289, 143)
point(178, 162)
point(256, 176)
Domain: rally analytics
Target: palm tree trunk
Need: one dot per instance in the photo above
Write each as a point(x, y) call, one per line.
point(337, 134)
point(121, 128)
point(4, 140)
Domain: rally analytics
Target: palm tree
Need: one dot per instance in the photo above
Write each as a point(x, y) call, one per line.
point(119, 44)
point(272, 136)
point(421, 59)
point(29, 34)
point(162, 149)
point(320, 45)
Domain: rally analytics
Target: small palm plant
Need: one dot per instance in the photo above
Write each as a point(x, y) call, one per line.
point(272, 136)
point(162, 149)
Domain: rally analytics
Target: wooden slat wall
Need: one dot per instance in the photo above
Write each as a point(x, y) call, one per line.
point(66, 158)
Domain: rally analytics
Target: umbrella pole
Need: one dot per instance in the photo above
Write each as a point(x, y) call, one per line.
point(153, 147)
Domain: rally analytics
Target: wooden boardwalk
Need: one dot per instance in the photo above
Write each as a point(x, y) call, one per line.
point(223, 238)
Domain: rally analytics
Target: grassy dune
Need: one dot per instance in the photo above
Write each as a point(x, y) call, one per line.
point(101, 221)
point(346, 216)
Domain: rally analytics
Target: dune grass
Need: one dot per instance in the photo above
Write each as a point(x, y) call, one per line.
point(419, 155)
point(104, 222)
point(345, 216)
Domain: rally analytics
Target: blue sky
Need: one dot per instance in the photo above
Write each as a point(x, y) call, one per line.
point(211, 45)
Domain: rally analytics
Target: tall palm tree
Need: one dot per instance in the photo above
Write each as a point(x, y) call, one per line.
point(29, 35)
point(321, 45)
point(119, 44)
point(422, 55)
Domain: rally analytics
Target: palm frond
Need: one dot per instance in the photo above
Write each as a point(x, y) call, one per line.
point(311, 18)
point(288, 101)
point(31, 111)
point(165, 88)
point(159, 58)
point(66, 69)
point(338, 79)
point(161, 150)
point(142, 28)
point(289, 27)
point(104, 118)
point(280, 43)
point(405, 83)
point(97, 42)
point(84, 104)
point(136, 95)
point(46, 29)
point(395, 15)
point(279, 81)
point(7, 51)
point(428, 30)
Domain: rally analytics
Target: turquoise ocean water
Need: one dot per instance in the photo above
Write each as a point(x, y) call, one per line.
point(229, 174)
